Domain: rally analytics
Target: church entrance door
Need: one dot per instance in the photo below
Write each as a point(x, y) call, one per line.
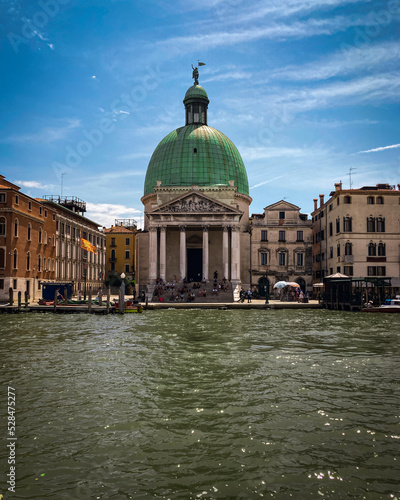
point(194, 264)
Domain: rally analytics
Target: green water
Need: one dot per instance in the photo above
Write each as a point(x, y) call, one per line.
point(188, 404)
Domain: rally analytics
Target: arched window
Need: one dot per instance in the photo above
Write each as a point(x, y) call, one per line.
point(370, 200)
point(29, 231)
point(39, 265)
point(54, 240)
point(348, 248)
point(40, 235)
point(2, 226)
point(382, 249)
point(379, 200)
point(2, 258)
point(372, 250)
point(16, 227)
point(28, 261)
point(113, 254)
point(347, 200)
point(15, 259)
point(45, 238)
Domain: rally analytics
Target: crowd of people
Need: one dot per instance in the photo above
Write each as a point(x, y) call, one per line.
point(188, 291)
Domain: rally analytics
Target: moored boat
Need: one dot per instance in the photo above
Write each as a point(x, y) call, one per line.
point(390, 306)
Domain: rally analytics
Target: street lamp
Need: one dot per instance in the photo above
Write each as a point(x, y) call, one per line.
point(266, 286)
point(122, 294)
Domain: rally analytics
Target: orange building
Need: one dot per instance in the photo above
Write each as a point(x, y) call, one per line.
point(27, 242)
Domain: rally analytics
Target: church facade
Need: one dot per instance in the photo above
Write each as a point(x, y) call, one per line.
point(196, 204)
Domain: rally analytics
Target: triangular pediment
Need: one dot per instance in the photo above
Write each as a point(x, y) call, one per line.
point(282, 205)
point(194, 202)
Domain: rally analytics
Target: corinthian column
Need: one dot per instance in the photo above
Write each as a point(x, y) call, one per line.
point(182, 252)
point(235, 252)
point(225, 253)
point(205, 253)
point(152, 253)
point(163, 252)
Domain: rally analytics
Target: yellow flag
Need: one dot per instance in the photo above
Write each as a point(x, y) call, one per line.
point(88, 246)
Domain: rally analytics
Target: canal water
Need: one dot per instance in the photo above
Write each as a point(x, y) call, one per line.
point(203, 404)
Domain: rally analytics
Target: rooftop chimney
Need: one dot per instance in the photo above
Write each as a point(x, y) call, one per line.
point(338, 186)
point(321, 200)
point(315, 203)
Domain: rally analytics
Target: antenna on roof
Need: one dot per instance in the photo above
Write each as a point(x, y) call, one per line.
point(351, 169)
point(62, 179)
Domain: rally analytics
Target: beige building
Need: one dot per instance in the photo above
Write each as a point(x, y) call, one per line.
point(196, 203)
point(74, 263)
point(357, 233)
point(281, 248)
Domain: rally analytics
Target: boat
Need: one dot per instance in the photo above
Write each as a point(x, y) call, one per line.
point(390, 306)
point(130, 307)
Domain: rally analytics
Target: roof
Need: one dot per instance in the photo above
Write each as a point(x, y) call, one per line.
point(118, 230)
point(196, 92)
point(196, 155)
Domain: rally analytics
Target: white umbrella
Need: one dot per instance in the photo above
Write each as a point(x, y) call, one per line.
point(280, 284)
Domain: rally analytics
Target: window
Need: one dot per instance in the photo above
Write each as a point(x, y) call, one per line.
point(372, 250)
point(112, 266)
point(40, 235)
point(264, 259)
point(347, 200)
point(53, 240)
point(281, 215)
point(40, 210)
point(29, 205)
point(14, 284)
point(300, 260)
point(16, 199)
point(2, 226)
point(45, 238)
point(54, 217)
point(380, 225)
point(370, 225)
point(379, 200)
point(300, 236)
point(127, 241)
point(370, 200)
point(127, 268)
point(127, 254)
point(330, 229)
point(44, 264)
point(29, 232)
point(113, 255)
point(348, 270)
point(330, 207)
point(376, 270)
point(331, 253)
point(348, 249)
point(1, 284)
point(62, 228)
point(264, 235)
point(338, 250)
point(45, 212)
point(282, 258)
point(347, 224)
point(2, 258)
point(338, 225)
point(15, 259)
point(16, 228)
point(39, 265)
point(113, 242)
point(282, 235)
point(68, 229)
point(28, 261)
point(2, 197)
point(375, 224)
point(382, 250)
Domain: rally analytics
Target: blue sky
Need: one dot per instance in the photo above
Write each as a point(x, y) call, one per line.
point(308, 90)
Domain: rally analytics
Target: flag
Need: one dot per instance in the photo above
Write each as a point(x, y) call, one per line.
point(201, 64)
point(85, 245)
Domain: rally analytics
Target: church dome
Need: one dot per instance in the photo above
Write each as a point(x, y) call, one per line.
point(196, 154)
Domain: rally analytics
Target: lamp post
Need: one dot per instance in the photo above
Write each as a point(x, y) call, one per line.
point(266, 286)
point(122, 294)
point(84, 277)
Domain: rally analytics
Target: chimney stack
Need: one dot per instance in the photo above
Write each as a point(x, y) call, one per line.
point(315, 203)
point(321, 200)
point(338, 186)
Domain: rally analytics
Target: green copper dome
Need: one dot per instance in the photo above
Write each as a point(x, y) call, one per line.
point(195, 92)
point(196, 154)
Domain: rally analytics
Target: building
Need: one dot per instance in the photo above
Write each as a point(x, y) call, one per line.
point(196, 203)
point(121, 248)
point(357, 233)
point(27, 242)
point(80, 245)
point(281, 248)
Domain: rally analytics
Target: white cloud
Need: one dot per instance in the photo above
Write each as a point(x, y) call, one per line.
point(383, 148)
point(106, 213)
point(46, 134)
point(33, 184)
